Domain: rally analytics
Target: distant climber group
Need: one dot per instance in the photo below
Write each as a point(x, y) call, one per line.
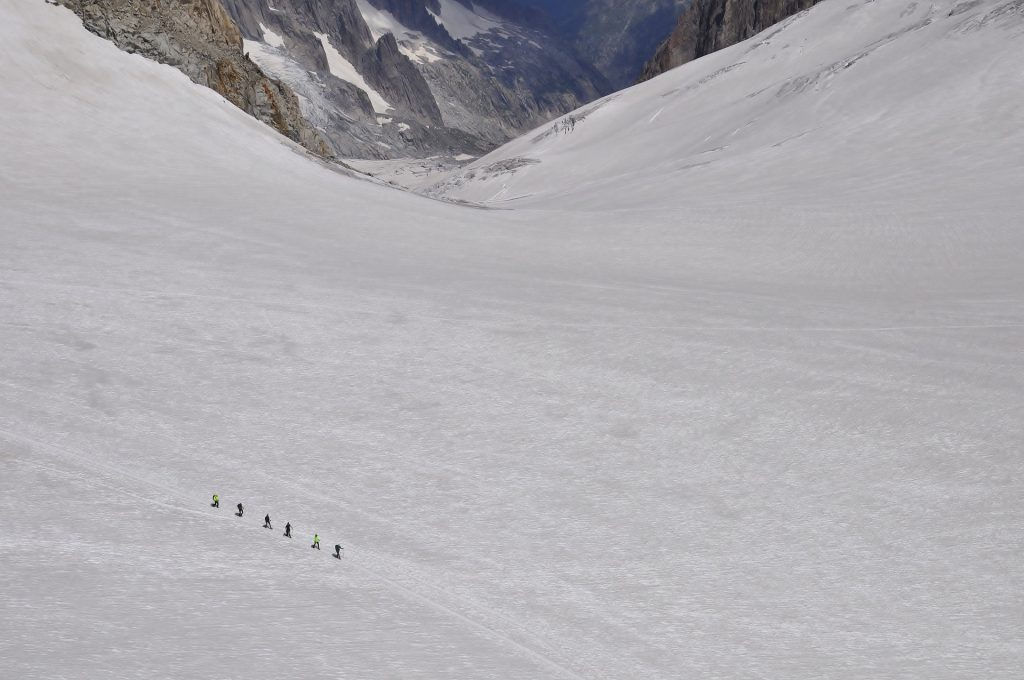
point(287, 527)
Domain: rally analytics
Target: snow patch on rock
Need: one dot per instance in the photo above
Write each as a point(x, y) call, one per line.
point(463, 23)
point(410, 43)
point(271, 38)
point(344, 69)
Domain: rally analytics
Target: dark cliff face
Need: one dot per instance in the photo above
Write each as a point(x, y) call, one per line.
point(398, 80)
point(199, 38)
point(616, 36)
point(619, 36)
point(711, 25)
point(509, 79)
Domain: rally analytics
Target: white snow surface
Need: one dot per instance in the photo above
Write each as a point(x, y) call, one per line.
point(346, 70)
point(271, 38)
point(464, 22)
point(761, 418)
point(380, 21)
point(901, 111)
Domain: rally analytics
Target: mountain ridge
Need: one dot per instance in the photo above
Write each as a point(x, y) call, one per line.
point(453, 78)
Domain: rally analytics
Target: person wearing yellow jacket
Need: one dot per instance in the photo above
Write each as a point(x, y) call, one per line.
point(316, 541)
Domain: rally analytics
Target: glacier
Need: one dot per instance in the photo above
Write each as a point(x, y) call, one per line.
point(719, 378)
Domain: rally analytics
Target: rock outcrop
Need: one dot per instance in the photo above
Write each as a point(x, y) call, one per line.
point(199, 38)
point(710, 25)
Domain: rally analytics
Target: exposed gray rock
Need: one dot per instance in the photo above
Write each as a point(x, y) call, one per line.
point(398, 80)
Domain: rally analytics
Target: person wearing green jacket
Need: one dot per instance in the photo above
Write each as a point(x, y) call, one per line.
point(216, 501)
point(316, 541)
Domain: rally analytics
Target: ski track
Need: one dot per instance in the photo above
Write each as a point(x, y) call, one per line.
point(370, 311)
point(493, 625)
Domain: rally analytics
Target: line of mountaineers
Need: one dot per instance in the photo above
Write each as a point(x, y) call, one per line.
point(338, 550)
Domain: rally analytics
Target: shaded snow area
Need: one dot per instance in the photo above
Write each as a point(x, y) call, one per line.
point(412, 44)
point(762, 417)
point(410, 173)
point(344, 69)
point(464, 22)
point(271, 38)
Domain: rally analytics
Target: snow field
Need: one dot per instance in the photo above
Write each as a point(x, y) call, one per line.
point(665, 426)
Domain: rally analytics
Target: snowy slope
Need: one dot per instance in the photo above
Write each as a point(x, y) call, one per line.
point(734, 439)
point(909, 103)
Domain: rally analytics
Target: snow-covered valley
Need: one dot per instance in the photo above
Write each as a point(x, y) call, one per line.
point(648, 415)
